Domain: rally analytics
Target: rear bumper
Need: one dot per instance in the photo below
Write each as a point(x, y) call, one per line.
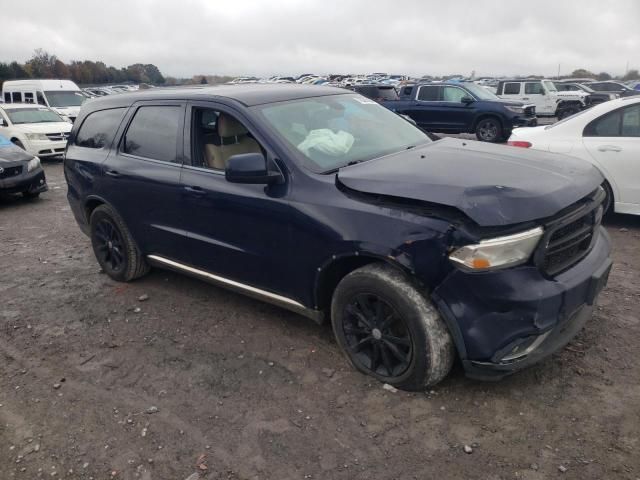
point(507, 320)
point(32, 182)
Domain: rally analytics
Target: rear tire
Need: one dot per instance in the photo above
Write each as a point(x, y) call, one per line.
point(389, 330)
point(565, 112)
point(489, 130)
point(114, 247)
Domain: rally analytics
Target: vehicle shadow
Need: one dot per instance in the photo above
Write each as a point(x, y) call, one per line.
point(619, 220)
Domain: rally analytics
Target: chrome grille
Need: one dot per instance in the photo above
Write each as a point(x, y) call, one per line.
point(57, 137)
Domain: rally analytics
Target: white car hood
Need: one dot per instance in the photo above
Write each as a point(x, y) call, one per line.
point(44, 127)
point(67, 111)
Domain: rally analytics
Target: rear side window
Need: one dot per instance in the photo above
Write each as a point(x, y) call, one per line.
point(28, 97)
point(153, 133)
point(7, 97)
point(533, 89)
point(17, 97)
point(511, 89)
point(429, 93)
point(631, 121)
point(99, 127)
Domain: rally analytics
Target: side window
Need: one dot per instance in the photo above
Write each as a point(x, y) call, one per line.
point(407, 90)
point(511, 89)
point(216, 137)
point(28, 97)
point(631, 121)
point(7, 97)
point(597, 87)
point(16, 97)
point(98, 128)
point(532, 88)
point(153, 133)
point(40, 98)
point(429, 93)
point(605, 126)
point(453, 94)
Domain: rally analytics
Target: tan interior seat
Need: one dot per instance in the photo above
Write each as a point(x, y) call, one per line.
point(232, 139)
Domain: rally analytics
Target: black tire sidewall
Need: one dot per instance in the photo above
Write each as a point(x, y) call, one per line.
point(357, 284)
point(103, 213)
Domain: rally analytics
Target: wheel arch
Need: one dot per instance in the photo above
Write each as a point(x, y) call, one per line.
point(331, 272)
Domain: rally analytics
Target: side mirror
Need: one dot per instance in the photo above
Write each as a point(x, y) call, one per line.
point(251, 168)
point(467, 100)
point(3, 123)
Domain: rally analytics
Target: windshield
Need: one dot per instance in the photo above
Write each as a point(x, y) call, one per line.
point(480, 93)
point(549, 86)
point(334, 131)
point(65, 98)
point(32, 115)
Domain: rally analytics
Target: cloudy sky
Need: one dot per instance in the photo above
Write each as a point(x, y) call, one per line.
point(264, 37)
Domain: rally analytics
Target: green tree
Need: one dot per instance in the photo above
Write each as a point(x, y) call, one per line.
point(41, 64)
point(603, 76)
point(582, 73)
point(632, 75)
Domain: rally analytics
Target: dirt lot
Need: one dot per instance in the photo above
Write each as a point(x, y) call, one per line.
point(97, 383)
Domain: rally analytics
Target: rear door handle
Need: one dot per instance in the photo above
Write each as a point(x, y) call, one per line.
point(525, 98)
point(609, 148)
point(113, 173)
point(195, 190)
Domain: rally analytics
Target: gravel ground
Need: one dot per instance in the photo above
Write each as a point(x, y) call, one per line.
point(172, 378)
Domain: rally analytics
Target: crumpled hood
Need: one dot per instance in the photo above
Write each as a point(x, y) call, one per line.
point(492, 184)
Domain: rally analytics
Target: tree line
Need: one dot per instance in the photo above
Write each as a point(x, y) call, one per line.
point(86, 72)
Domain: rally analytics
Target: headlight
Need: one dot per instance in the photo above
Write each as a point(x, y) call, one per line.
point(33, 164)
point(499, 252)
point(514, 109)
point(36, 136)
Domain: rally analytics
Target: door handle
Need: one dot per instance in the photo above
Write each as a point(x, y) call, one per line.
point(525, 98)
point(195, 190)
point(113, 173)
point(609, 148)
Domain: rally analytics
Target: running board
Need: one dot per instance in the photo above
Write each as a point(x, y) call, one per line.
point(248, 290)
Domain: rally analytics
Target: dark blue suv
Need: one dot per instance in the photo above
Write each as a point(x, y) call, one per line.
point(462, 107)
point(326, 203)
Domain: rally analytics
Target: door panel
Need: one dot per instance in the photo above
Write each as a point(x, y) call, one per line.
point(237, 231)
point(146, 191)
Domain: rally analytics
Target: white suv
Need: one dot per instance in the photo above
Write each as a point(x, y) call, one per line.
point(34, 128)
point(545, 96)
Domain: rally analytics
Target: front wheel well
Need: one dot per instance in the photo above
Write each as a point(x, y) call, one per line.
point(330, 275)
point(484, 116)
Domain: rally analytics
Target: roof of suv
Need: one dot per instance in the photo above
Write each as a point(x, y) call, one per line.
point(249, 94)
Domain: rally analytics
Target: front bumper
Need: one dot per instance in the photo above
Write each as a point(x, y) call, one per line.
point(32, 182)
point(524, 122)
point(507, 320)
point(46, 148)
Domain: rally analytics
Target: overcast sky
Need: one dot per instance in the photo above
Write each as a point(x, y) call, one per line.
point(264, 37)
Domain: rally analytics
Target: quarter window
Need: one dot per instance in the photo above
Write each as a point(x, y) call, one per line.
point(28, 97)
point(98, 128)
point(429, 93)
point(153, 133)
point(7, 97)
point(40, 98)
point(511, 89)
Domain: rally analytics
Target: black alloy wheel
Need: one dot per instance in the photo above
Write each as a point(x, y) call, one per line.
point(376, 335)
point(109, 245)
point(489, 130)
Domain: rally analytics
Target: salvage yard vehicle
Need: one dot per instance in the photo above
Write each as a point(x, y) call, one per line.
point(608, 136)
point(34, 128)
point(594, 98)
point(545, 96)
point(63, 96)
point(20, 172)
point(324, 202)
point(610, 86)
point(462, 107)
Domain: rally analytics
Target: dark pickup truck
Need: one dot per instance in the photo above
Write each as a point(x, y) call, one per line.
point(462, 107)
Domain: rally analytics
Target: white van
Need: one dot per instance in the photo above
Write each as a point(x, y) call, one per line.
point(62, 96)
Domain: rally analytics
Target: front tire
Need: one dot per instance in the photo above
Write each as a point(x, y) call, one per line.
point(18, 143)
point(114, 247)
point(389, 330)
point(489, 130)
